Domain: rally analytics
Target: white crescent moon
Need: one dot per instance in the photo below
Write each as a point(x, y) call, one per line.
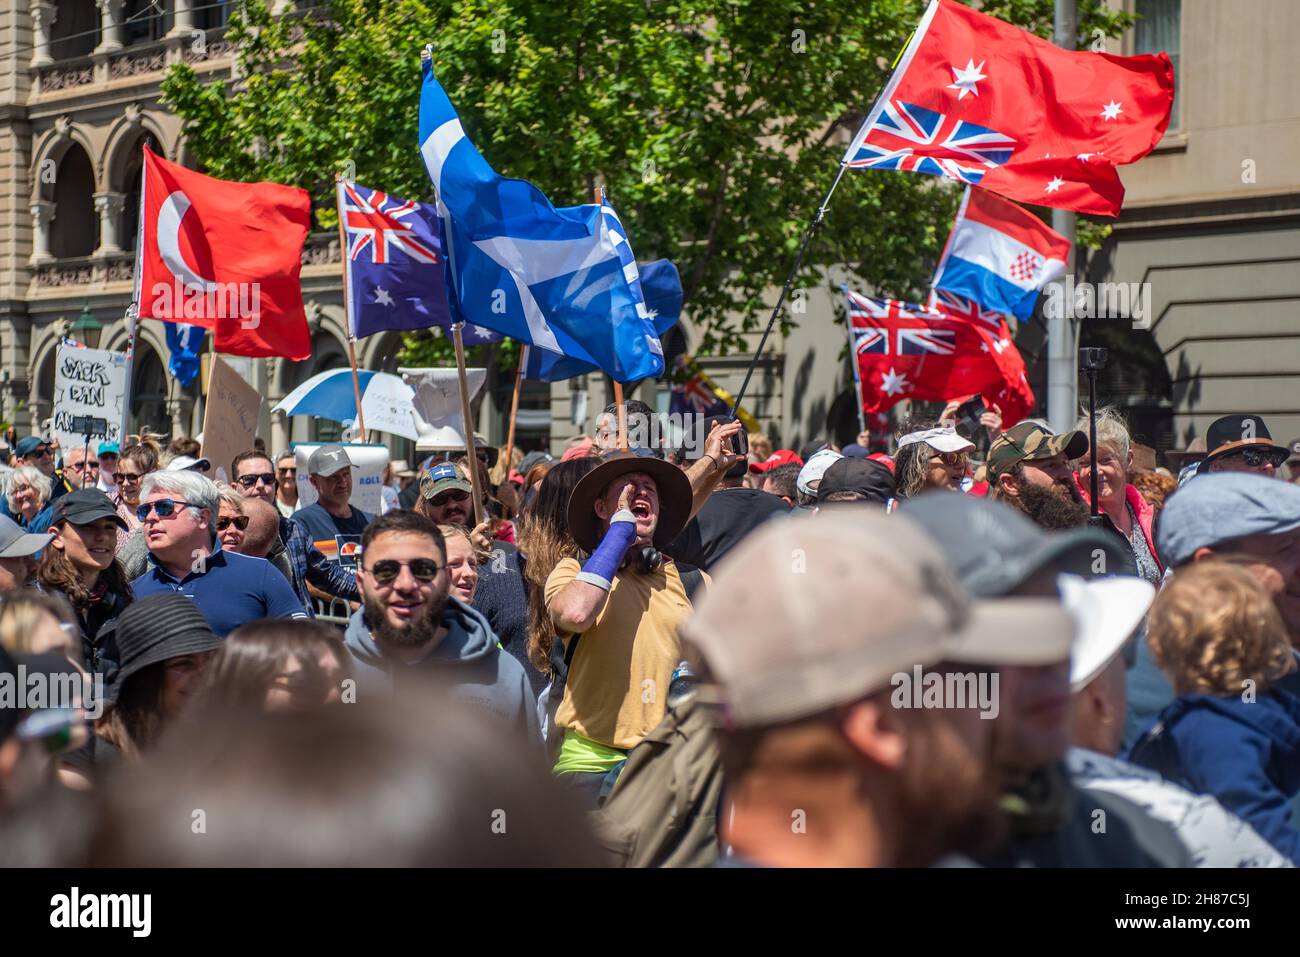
point(173, 211)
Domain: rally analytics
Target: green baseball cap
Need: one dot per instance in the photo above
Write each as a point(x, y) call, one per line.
point(1030, 442)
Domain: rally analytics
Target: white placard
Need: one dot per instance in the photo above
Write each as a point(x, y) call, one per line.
point(368, 464)
point(437, 405)
point(88, 382)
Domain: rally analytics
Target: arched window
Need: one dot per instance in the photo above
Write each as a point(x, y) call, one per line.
point(131, 188)
point(76, 29)
point(148, 391)
point(75, 230)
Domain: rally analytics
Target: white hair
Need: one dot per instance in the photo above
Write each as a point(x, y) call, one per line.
point(190, 487)
point(38, 480)
point(231, 496)
point(1112, 432)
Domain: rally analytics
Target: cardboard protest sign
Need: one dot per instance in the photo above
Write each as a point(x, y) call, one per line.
point(88, 382)
point(229, 418)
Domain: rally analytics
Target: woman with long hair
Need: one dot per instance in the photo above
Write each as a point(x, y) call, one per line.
point(278, 665)
point(544, 539)
point(463, 560)
point(28, 498)
point(137, 460)
point(932, 458)
point(79, 566)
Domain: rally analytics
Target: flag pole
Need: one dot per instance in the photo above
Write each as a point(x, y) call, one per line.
point(514, 405)
point(857, 374)
point(789, 281)
point(467, 423)
point(598, 197)
point(347, 302)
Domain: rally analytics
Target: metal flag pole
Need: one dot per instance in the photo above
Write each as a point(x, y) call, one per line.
point(789, 281)
point(347, 301)
point(465, 416)
point(857, 374)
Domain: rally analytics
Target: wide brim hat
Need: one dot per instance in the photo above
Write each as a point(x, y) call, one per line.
point(1232, 433)
point(158, 628)
point(675, 496)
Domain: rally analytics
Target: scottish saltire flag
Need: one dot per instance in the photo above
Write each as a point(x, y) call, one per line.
point(184, 342)
point(560, 279)
point(1000, 254)
point(662, 289)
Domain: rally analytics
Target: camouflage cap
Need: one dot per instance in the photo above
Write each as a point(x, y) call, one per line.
point(1030, 442)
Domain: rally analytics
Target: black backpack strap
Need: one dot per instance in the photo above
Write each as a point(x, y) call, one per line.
point(692, 578)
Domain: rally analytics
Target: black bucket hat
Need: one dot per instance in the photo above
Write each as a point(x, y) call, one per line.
point(675, 496)
point(158, 628)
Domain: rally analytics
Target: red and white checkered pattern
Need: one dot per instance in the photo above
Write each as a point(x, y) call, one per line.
point(1025, 266)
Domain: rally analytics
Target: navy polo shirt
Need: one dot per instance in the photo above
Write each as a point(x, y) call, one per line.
point(232, 590)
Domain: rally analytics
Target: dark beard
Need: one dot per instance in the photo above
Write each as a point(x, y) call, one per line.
point(418, 633)
point(1053, 507)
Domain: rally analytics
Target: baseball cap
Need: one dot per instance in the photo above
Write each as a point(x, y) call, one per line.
point(1223, 506)
point(442, 477)
point(83, 506)
point(28, 444)
point(813, 470)
point(15, 543)
point(870, 478)
point(110, 448)
point(994, 549)
point(779, 645)
point(1030, 442)
point(327, 460)
point(941, 439)
point(1106, 613)
point(779, 457)
point(187, 463)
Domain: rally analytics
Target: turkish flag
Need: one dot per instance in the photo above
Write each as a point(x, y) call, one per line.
point(979, 101)
point(905, 351)
point(225, 256)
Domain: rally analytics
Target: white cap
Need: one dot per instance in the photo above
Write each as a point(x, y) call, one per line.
point(942, 439)
point(813, 470)
point(184, 463)
point(1106, 612)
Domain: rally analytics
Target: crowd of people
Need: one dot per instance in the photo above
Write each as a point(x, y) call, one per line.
point(718, 654)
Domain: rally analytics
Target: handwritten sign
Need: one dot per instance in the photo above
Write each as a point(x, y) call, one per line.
point(230, 418)
point(88, 382)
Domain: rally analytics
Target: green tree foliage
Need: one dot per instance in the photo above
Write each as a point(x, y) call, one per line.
point(715, 126)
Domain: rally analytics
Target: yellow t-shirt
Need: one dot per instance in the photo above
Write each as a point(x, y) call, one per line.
point(617, 688)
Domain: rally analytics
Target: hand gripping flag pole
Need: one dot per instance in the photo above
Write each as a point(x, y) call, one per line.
point(789, 281)
point(352, 333)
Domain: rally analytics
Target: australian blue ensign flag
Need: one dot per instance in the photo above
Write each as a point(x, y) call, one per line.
point(394, 264)
point(563, 280)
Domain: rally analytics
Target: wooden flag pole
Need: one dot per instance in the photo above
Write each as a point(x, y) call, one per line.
point(466, 421)
point(352, 339)
point(514, 406)
point(598, 197)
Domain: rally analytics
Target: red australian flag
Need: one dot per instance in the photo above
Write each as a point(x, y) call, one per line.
point(905, 351)
point(225, 256)
point(978, 101)
point(1014, 398)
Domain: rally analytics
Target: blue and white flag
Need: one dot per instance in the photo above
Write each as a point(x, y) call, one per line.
point(184, 342)
point(563, 280)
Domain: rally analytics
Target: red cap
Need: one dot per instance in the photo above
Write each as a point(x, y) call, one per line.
point(779, 457)
point(883, 459)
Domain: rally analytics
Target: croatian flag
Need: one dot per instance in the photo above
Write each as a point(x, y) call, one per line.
point(561, 279)
point(1000, 255)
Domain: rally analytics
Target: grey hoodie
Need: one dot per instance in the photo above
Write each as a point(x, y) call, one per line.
point(468, 657)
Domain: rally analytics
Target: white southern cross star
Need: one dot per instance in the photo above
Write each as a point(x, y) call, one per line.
point(893, 383)
point(482, 333)
point(1055, 184)
point(1111, 110)
point(382, 297)
point(965, 79)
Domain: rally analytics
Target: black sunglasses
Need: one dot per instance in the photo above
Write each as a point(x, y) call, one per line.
point(385, 571)
point(239, 521)
point(165, 507)
point(248, 481)
point(1258, 458)
point(455, 495)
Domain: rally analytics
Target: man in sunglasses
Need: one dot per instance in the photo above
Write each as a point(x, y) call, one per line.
point(254, 476)
point(178, 518)
point(1242, 443)
point(410, 622)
